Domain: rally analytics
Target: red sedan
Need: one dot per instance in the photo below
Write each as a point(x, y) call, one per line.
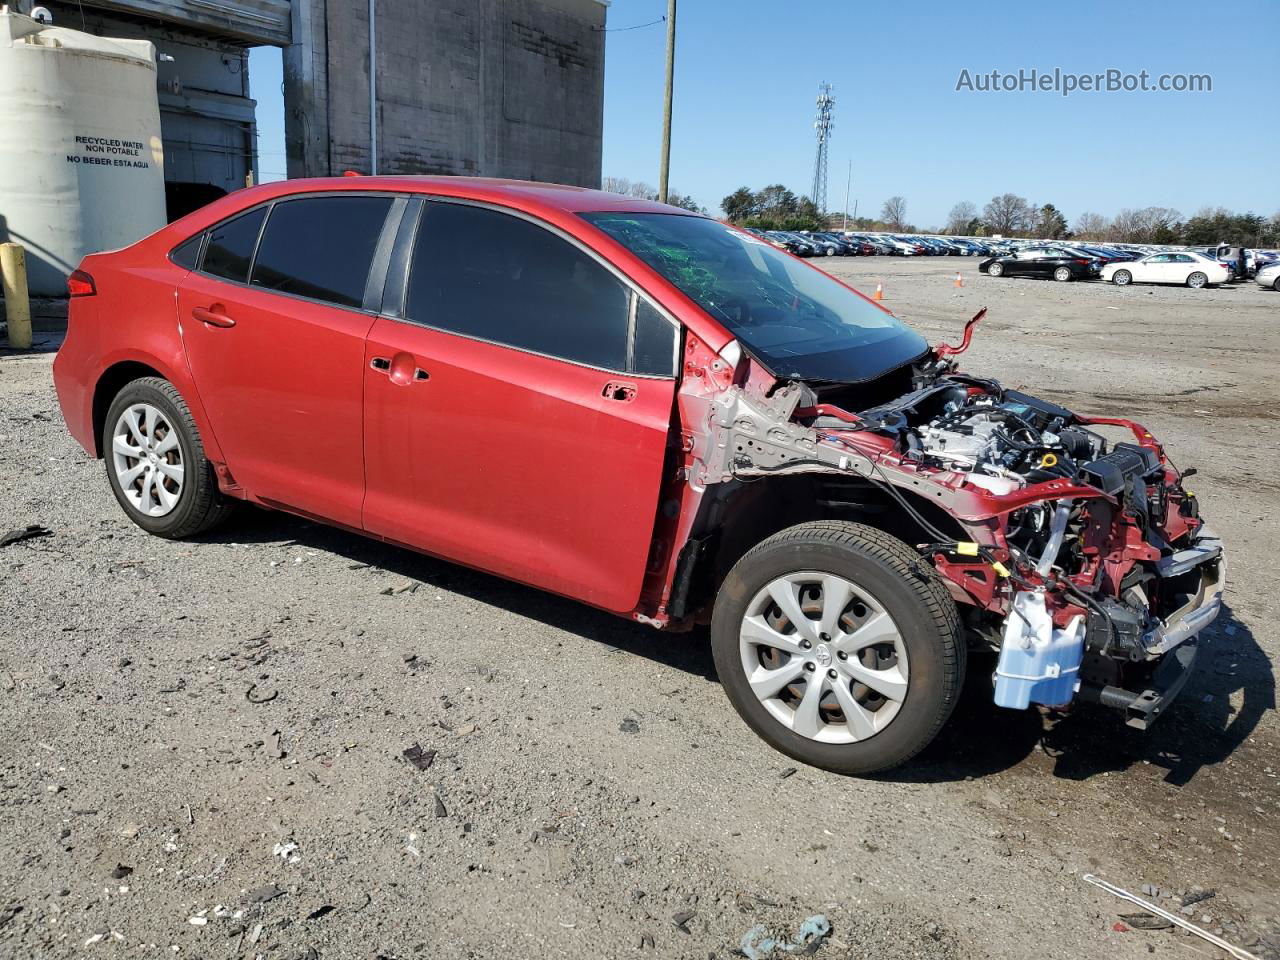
point(654, 413)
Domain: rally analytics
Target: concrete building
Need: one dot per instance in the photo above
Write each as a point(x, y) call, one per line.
point(501, 88)
point(508, 88)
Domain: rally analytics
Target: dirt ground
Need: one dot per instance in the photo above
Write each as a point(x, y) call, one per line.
point(202, 750)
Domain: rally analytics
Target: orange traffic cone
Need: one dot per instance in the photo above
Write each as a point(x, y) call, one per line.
point(959, 279)
point(880, 291)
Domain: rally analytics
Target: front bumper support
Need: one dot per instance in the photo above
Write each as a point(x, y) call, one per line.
point(1144, 708)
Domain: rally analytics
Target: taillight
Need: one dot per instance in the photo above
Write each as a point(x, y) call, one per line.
point(80, 284)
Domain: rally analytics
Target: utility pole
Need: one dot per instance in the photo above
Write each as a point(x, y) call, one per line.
point(847, 182)
point(665, 170)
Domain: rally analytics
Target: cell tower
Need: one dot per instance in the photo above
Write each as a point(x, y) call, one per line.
point(823, 125)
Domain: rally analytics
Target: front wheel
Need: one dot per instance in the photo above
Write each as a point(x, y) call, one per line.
point(839, 646)
point(1062, 274)
point(995, 270)
point(156, 463)
point(1122, 278)
point(1197, 280)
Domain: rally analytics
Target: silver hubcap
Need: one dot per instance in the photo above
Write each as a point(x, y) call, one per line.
point(824, 657)
point(147, 459)
point(1197, 280)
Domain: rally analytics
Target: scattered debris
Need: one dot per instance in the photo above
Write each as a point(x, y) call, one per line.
point(466, 730)
point(440, 807)
point(1238, 952)
point(287, 851)
point(121, 871)
point(249, 695)
point(1198, 896)
point(1145, 921)
point(629, 726)
point(758, 945)
point(265, 893)
point(422, 759)
point(321, 911)
point(24, 533)
point(9, 912)
point(789, 772)
point(681, 920)
point(197, 921)
point(275, 746)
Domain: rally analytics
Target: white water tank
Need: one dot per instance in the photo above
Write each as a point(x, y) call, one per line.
point(81, 163)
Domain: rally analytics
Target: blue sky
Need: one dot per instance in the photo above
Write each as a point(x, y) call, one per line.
point(747, 72)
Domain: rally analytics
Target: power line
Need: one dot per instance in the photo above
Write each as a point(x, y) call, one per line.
point(638, 26)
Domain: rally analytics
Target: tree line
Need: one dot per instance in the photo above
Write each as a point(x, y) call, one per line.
point(776, 207)
point(1012, 215)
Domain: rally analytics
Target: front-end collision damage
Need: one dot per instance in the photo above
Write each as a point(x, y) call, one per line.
point(1084, 563)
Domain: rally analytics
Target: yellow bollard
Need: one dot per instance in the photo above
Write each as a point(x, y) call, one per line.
point(17, 304)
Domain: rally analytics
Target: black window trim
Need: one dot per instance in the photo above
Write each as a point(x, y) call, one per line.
point(384, 247)
point(404, 259)
point(396, 243)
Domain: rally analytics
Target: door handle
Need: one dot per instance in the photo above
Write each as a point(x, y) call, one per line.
point(400, 369)
point(214, 315)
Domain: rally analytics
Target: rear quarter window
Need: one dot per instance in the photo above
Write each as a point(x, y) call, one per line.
point(229, 253)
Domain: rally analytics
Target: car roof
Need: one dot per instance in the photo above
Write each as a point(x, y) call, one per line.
point(536, 198)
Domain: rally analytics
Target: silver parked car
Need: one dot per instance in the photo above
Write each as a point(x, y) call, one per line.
point(1269, 277)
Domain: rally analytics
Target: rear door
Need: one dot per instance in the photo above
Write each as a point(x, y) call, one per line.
point(518, 403)
point(274, 323)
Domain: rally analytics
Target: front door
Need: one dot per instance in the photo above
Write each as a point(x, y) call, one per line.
point(274, 330)
point(517, 414)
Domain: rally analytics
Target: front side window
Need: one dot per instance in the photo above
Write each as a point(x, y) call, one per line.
point(795, 319)
point(321, 247)
point(229, 252)
point(497, 277)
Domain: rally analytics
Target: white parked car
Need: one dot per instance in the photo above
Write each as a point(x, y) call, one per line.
point(1185, 267)
point(1269, 277)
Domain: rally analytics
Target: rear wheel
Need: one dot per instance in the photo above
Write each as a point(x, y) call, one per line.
point(1276, 286)
point(995, 270)
point(1122, 278)
point(1062, 274)
point(1197, 280)
point(838, 646)
point(156, 463)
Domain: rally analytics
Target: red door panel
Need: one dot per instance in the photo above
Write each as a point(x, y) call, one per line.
point(281, 380)
point(514, 463)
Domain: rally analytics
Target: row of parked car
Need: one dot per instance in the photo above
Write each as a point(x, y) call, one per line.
point(1194, 268)
point(1118, 263)
point(840, 244)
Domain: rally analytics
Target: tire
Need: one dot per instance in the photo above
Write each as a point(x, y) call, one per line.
point(1276, 286)
point(1062, 275)
point(1122, 278)
point(1196, 280)
point(995, 270)
point(830, 251)
point(920, 668)
point(196, 505)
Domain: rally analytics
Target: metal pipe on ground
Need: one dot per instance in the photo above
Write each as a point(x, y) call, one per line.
point(17, 303)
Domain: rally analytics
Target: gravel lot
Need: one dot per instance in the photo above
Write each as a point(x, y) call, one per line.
point(203, 741)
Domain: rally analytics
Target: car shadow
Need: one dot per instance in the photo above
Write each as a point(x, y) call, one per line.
point(1202, 728)
point(688, 652)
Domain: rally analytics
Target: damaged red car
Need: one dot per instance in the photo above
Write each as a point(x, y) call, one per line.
point(654, 413)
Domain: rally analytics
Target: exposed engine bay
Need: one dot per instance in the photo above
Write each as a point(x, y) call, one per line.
point(1081, 558)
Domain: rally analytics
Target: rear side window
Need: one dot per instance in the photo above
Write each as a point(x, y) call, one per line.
point(321, 247)
point(188, 254)
point(497, 277)
point(230, 249)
